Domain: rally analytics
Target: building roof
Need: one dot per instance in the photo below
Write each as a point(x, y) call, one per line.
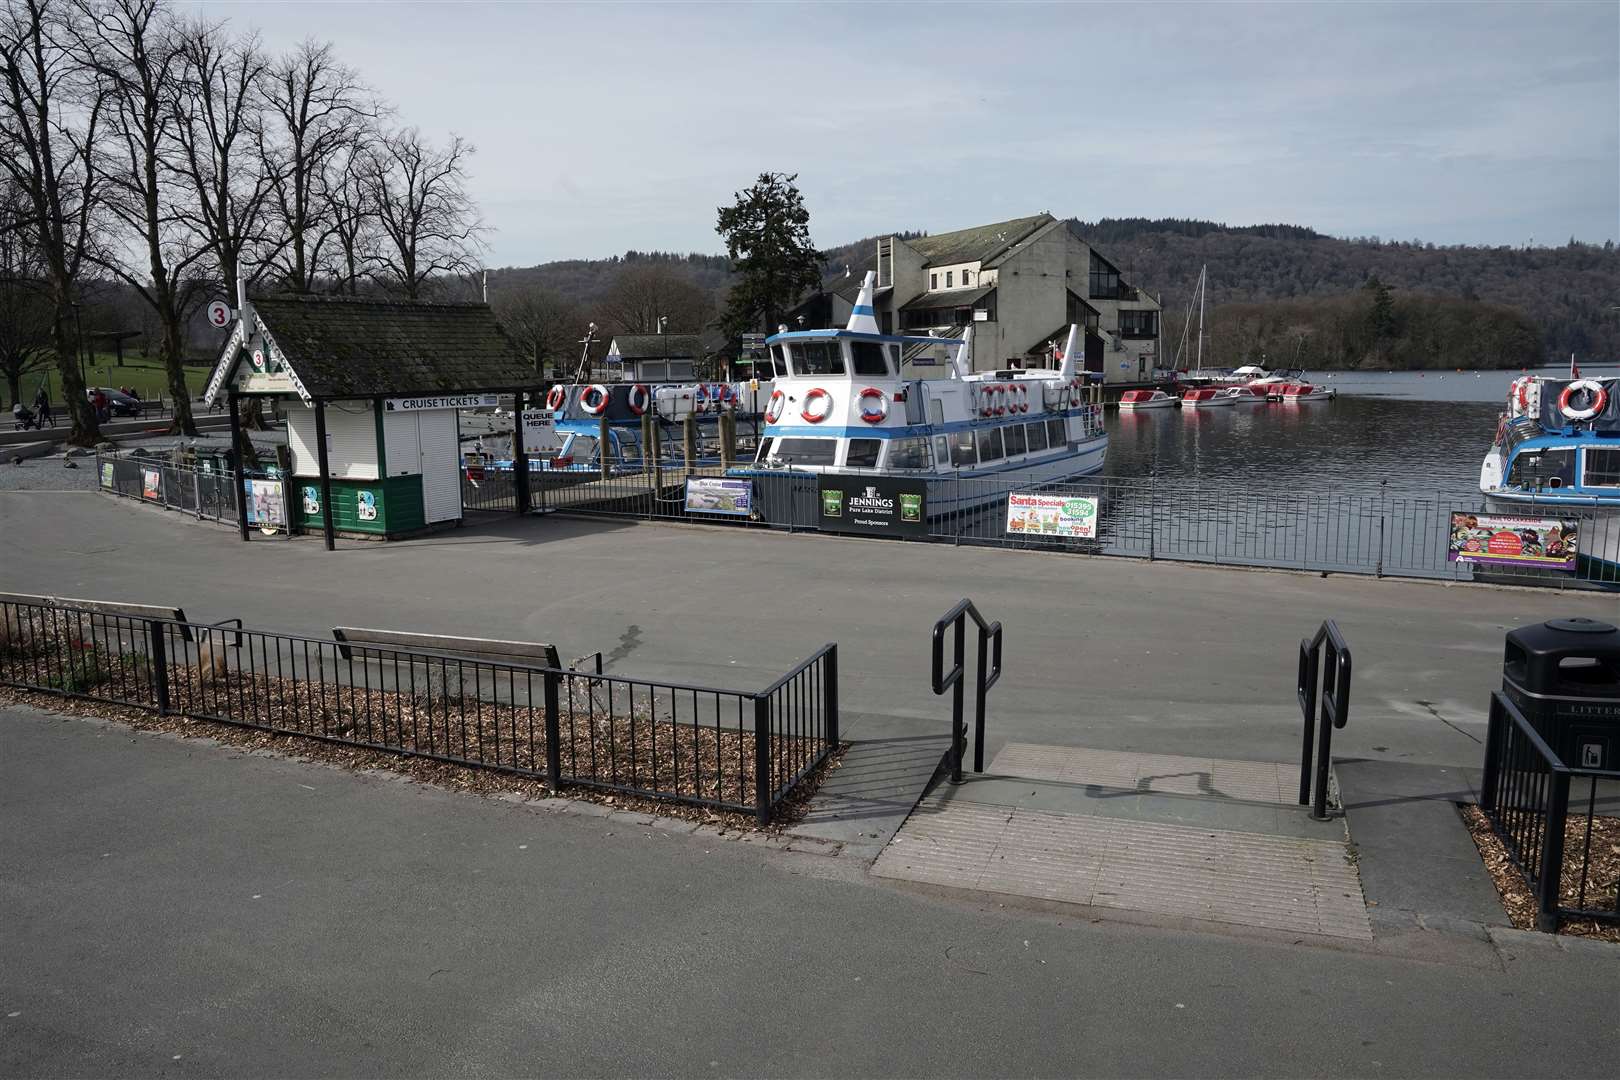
point(340, 346)
point(948, 298)
point(982, 244)
point(657, 346)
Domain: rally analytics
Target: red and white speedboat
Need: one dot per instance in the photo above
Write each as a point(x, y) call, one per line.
point(1147, 399)
point(1205, 397)
point(1245, 395)
point(1293, 393)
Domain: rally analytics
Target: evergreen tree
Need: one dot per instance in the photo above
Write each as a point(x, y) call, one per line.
point(1381, 320)
point(767, 234)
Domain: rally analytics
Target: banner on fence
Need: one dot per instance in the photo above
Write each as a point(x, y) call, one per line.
point(266, 508)
point(1068, 517)
point(1495, 540)
point(106, 474)
point(152, 484)
point(714, 495)
point(877, 505)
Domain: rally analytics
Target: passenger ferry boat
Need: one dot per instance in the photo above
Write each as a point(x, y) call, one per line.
point(843, 407)
point(579, 409)
point(1147, 399)
point(1557, 449)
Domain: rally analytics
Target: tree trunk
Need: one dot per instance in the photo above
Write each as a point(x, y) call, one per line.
point(14, 385)
point(173, 353)
point(86, 429)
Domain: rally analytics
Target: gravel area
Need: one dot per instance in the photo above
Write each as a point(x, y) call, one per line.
point(50, 473)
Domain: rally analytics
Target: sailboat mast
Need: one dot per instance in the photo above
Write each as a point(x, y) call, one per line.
point(1202, 271)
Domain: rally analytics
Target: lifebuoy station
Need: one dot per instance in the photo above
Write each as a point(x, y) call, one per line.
point(371, 390)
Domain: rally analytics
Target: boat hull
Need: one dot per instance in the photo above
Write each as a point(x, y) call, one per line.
point(1163, 403)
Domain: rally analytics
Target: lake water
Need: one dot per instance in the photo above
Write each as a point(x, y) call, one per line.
point(1424, 433)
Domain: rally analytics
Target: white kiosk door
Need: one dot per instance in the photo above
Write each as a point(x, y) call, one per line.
point(441, 464)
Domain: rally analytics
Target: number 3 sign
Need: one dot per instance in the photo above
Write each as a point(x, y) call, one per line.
point(219, 314)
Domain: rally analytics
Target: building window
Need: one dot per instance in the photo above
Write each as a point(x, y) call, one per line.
point(1104, 279)
point(948, 284)
point(1139, 324)
point(933, 281)
point(967, 278)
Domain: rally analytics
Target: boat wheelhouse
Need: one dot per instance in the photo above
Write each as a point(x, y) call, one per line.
point(1147, 399)
point(840, 405)
point(1557, 450)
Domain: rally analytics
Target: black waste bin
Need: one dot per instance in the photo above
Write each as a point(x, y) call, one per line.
point(1564, 675)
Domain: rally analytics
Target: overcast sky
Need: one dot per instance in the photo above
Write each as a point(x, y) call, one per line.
point(605, 127)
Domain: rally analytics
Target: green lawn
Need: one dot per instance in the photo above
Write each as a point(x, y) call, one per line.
point(146, 377)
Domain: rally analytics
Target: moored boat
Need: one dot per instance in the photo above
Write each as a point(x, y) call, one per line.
point(1294, 393)
point(1244, 395)
point(1204, 397)
point(1147, 399)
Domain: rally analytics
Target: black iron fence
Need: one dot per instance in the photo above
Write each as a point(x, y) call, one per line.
point(1376, 533)
point(736, 750)
point(205, 493)
point(1526, 795)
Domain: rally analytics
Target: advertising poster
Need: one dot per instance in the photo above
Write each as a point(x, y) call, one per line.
point(1066, 517)
point(265, 508)
point(874, 505)
point(106, 474)
point(1496, 540)
point(717, 495)
point(151, 484)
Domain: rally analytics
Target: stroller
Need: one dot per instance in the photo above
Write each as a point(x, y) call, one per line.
point(22, 418)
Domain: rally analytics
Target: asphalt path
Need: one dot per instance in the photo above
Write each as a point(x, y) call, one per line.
point(176, 908)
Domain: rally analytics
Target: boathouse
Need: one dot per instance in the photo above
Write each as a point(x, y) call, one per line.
point(372, 391)
point(655, 358)
point(1019, 284)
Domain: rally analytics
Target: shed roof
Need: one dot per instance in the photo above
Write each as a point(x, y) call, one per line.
point(948, 298)
point(657, 346)
point(340, 346)
point(982, 244)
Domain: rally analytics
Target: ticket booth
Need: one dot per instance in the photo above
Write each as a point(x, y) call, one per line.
point(372, 391)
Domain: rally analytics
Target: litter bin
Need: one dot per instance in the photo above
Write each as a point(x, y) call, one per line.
point(1564, 675)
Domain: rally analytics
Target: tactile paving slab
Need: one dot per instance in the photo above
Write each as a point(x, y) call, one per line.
point(1256, 781)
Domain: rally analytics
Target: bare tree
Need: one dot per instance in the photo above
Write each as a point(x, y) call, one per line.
point(349, 246)
point(546, 324)
point(25, 305)
point(644, 291)
point(50, 117)
point(320, 109)
point(429, 223)
point(138, 50)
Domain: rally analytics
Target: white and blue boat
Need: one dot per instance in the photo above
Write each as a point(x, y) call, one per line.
point(841, 404)
point(1557, 454)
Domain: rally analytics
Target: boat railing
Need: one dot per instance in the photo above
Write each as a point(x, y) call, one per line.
point(989, 673)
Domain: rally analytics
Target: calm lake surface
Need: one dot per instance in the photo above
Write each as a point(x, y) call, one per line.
point(1424, 433)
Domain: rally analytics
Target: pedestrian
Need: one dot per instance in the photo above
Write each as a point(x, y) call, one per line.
point(42, 407)
point(21, 418)
point(98, 402)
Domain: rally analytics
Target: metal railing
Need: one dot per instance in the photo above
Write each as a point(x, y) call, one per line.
point(208, 494)
point(1324, 693)
point(734, 750)
point(1525, 795)
point(988, 675)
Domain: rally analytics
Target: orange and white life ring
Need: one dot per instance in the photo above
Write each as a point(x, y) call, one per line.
point(557, 398)
point(1020, 400)
point(1001, 400)
point(700, 398)
point(987, 399)
point(816, 416)
point(594, 400)
point(1599, 399)
point(727, 394)
point(878, 410)
point(639, 398)
point(773, 411)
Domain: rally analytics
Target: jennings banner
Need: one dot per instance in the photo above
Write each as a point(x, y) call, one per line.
point(874, 505)
point(1495, 540)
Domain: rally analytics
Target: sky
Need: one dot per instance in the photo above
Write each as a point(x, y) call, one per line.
point(606, 127)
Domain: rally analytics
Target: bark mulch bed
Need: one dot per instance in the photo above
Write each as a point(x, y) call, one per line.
point(1603, 872)
point(432, 737)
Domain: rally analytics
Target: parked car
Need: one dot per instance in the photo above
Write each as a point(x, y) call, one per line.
point(118, 402)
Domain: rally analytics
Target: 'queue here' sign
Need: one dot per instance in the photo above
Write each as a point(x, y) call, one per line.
point(446, 401)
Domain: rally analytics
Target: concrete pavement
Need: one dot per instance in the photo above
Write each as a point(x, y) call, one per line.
point(173, 907)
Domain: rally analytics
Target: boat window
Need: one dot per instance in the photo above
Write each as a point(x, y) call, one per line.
point(1055, 435)
point(1037, 436)
point(806, 451)
point(1014, 435)
point(909, 454)
point(868, 356)
point(936, 410)
point(989, 444)
point(778, 359)
point(942, 448)
point(1538, 470)
point(962, 452)
point(863, 453)
point(817, 358)
point(764, 445)
point(894, 350)
point(1602, 468)
point(581, 448)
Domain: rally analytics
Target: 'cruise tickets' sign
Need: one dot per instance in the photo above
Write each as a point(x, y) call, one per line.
point(446, 401)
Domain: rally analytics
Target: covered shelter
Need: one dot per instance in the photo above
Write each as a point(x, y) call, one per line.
point(656, 358)
point(372, 390)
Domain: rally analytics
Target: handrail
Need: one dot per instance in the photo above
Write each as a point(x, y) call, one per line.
point(988, 676)
point(1333, 678)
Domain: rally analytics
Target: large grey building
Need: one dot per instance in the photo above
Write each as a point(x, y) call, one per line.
point(1018, 284)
